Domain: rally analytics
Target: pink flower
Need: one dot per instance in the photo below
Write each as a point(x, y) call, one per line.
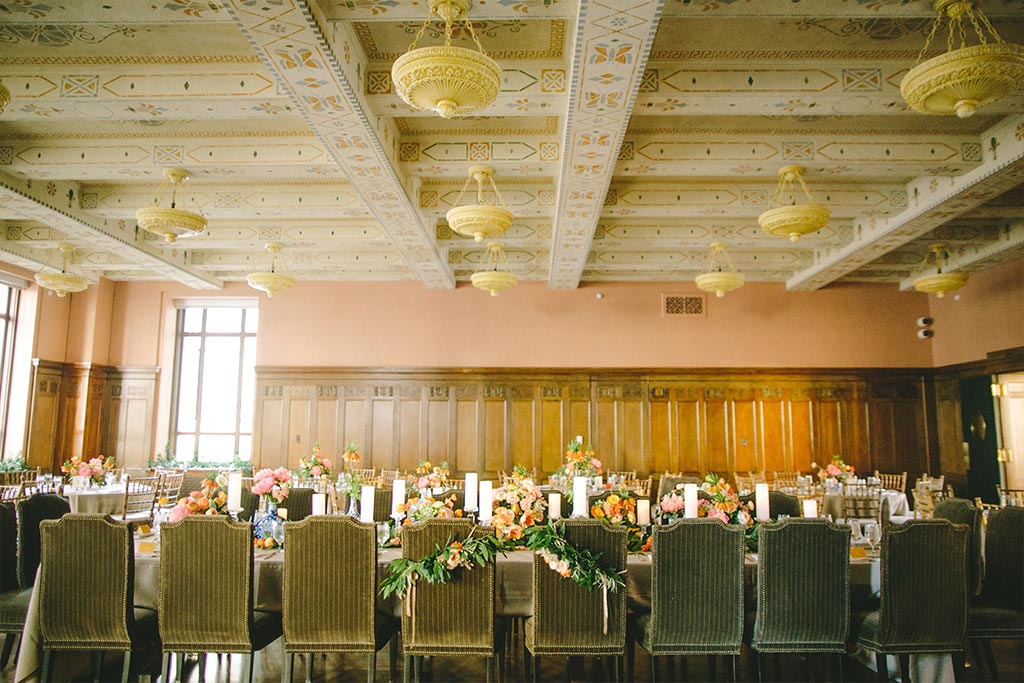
point(316, 470)
point(715, 513)
point(326, 463)
point(178, 512)
point(672, 503)
point(743, 517)
point(832, 469)
point(596, 463)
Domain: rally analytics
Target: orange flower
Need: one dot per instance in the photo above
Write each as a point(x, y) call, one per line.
point(597, 511)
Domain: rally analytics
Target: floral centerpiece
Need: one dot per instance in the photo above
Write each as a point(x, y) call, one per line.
point(351, 454)
point(351, 484)
point(272, 484)
point(94, 469)
point(518, 505)
point(429, 477)
point(837, 470)
point(422, 508)
point(315, 466)
point(579, 462)
point(620, 509)
point(210, 499)
point(724, 504)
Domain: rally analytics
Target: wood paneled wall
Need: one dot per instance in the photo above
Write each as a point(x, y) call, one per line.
point(648, 420)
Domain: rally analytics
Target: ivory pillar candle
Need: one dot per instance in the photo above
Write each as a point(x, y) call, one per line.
point(690, 501)
point(486, 501)
point(579, 497)
point(761, 502)
point(366, 505)
point(554, 505)
point(319, 503)
point(472, 491)
point(810, 508)
point(643, 512)
point(397, 497)
point(234, 491)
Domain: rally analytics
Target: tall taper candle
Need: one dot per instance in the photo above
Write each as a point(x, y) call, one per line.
point(810, 508)
point(761, 502)
point(690, 501)
point(319, 504)
point(486, 501)
point(643, 512)
point(234, 491)
point(554, 505)
point(366, 505)
point(397, 497)
point(472, 491)
point(579, 497)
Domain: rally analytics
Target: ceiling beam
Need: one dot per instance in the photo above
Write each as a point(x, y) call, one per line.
point(760, 9)
point(931, 202)
point(56, 204)
point(610, 49)
point(293, 46)
point(1009, 244)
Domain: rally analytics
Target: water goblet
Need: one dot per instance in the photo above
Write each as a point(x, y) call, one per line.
point(855, 533)
point(383, 533)
point(872, 534)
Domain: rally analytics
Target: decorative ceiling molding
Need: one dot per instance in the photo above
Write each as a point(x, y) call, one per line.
point(1010, 244)
point(295, 50)
point(931, 202)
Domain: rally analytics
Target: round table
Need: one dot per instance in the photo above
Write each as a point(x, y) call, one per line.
point(104, 500)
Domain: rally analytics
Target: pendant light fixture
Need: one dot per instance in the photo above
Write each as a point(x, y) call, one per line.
point(273, 282)
point(62, 283)
point(480, 220)
point(721, 277)
point(5, 97)
point(495, 281)
point(789, 219)
point(446, 79)
point(171, 222)
point(962, 80)
point(939, 283)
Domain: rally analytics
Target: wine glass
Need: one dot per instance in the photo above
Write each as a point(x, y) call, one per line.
point(872, 534)
point(855, 533)
point(383, 533)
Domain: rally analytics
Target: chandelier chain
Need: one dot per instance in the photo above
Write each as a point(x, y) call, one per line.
point(931, 35)
point(465, 186)
point(419, 34)
point(498, 201)
point(472, 34)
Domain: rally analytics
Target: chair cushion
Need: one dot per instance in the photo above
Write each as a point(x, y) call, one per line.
point(995, 622)
point(266, 628)
point(530, 628)
point(868, 638)
point(13, 606)
point(640, 630)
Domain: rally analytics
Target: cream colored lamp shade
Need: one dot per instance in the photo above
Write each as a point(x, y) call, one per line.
point(273, 282)
point(721, 276)
point(171, 222)
point(962, 80)
point(495, 281)
point(787, 218)
point(62, 283)
point(5, 97)
point(938, 283)
point(480, 220)
point(447, 79)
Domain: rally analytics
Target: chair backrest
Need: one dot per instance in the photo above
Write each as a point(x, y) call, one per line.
point(32, 511)
point(620, 475)
point(1004, 558)
point(299, 504)
point(170, 487)
point(205, 597)
point(1014, 497)
point(366, 474)
point(454, 617)
point(320, 612)
point(11, 493)
point(744, 483)
point(640, 487)
point(382, 504)
point(892, 481)
point(924, 586)
point(803, 586)
point(782, 480)
point(193, 481)
point(569, 617)
point(387, 477)
point(8, 548)
point(141, 496)
point(696, 563)
point(961, 511)
point(780, 503)
point(924, 501)
point(861, 502)
point(101, 615)
point(250, 504)
point(21, 476)
point(460, 500)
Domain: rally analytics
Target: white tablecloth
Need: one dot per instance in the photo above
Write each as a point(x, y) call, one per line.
point(105, 500)
point(898, 506)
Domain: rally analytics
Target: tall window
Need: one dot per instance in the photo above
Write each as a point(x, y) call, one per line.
point(8, 324)
point(215, 383)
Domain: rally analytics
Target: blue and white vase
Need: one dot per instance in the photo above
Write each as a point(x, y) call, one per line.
point(270, 525)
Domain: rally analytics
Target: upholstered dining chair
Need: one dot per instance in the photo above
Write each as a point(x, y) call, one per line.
point(923, 595)
point(573, 620)
point(800, 558)
point(668, 481)
point(454, 619)
point(13, 599)
point(780, 503)
point(299, 504)
point(321, 613)
point(961, 511)
point(250, 504)
point(206, 592)
point(696, 563)
point(105, 616)
point(382, 504)
point(998, 613)
point(32, 511)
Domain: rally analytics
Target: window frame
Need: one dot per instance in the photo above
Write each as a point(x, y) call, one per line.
point(7, 340)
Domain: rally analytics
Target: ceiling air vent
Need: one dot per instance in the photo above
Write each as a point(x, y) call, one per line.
point(678, 306)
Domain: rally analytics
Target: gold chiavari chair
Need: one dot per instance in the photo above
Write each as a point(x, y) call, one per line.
point(387, 477)
point(622, 475)
point(11, 493)
point(141, 497)
point(459, 484)
point(15, 477)
point(781, 480)
point(641, 487)
point(861, 502)
point(170, 487)
point(758, 477)
point(744, 483)
point(1012, 497)
point(892, 482)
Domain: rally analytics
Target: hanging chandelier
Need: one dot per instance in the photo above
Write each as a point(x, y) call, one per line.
point(964, 79)
point(480, 220)
point(789, 218)
point(62, 283)
point(449, 80)
point(940, 283)
point(717, 279)
point(495, 281)
point(273, 282)
point(171, 223)
point(5, 97)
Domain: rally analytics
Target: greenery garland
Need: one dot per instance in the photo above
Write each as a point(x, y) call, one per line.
point(438, 565)
point(582, 566)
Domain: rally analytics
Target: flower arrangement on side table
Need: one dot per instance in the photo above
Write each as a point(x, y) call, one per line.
point(315, 466)
point(95, 469)
point(210, 499)
point(423, 507)
point(837, 470)
point(429, 477)
point(518, 505)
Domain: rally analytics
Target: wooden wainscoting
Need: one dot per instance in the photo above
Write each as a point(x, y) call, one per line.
point(648, 420)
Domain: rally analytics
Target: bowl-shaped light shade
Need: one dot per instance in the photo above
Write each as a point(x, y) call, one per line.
point(62, 284)
point(170, 223)
point(719, 282)
point(446, 79)
point(940, 283)
point(794, 221)
point(494, 281)
point(962, 81)
point(271, 283)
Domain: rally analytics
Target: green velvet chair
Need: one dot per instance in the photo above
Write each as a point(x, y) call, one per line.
point(454, 619)
point(13, 598)
point(322, 613)
point(299, 504)
point(568, 619)
point(104, 617)
point(206, 592)
point(780, 503)
point(250, 504)
point(998, 613)
point(962, 511)
point(803, 589)
point(31, 512)
point(382, 505)
point(697, 564)
point(924, 593)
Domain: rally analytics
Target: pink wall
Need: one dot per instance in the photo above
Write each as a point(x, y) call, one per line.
point(988, 315)
point(89, 324)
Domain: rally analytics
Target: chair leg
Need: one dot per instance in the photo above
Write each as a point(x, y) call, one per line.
point(490, 670)
point(286, 668)
point(407, 669)
point(371, 667)
point(905, 667)
point(713, 667)
point(8, 648)
point(526, 661)
point(536, 668)
point(990, 658)
point(97, 666)
point(761, 663)
point(630, 659)
point(127, 666)
point(976, 656)
point(309, 667)
point(417, 667)
point(837, 666)
point(393, 659)
point(881, 668)
point(734, 666)
point(44, 672)
point(655, 668)
point(959, 666)
point(202, 666)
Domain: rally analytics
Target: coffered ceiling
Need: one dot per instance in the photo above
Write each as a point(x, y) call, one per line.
point(627, 137)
